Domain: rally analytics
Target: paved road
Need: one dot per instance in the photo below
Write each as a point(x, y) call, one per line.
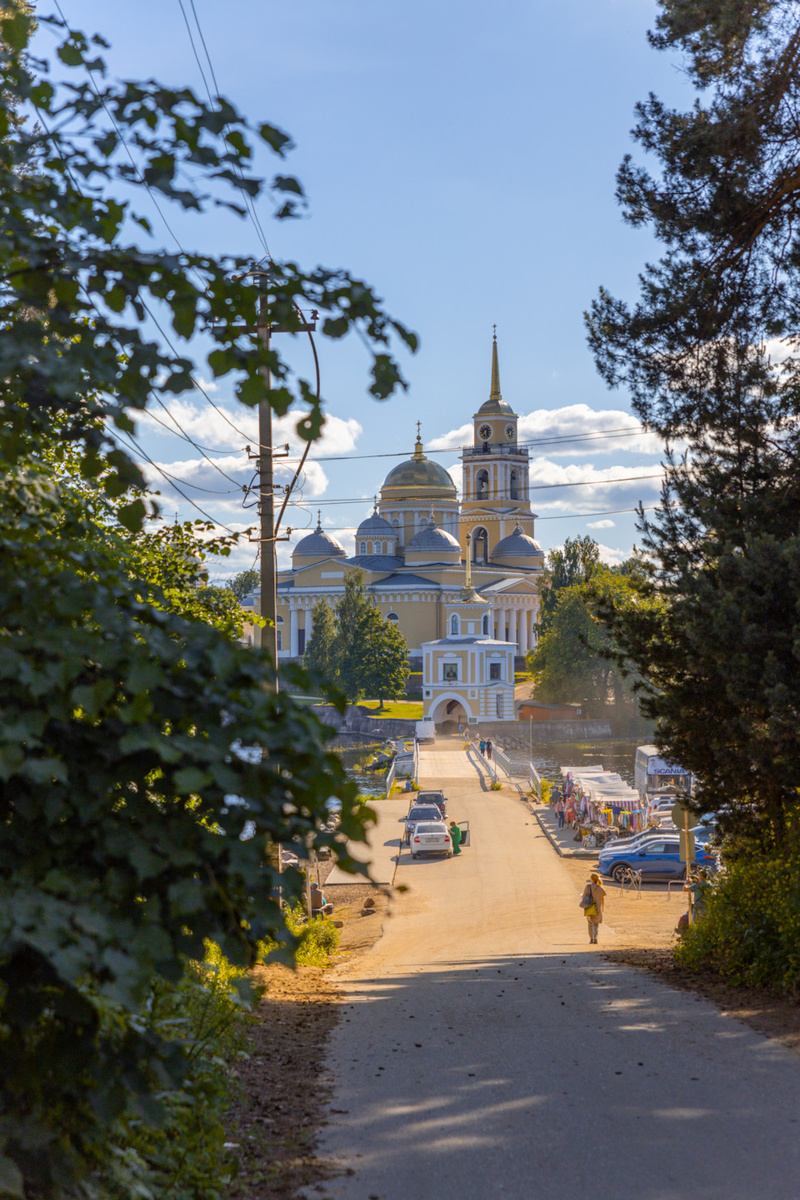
point(489, 1052)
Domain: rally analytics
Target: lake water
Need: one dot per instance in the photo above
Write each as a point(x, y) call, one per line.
point(549, 757)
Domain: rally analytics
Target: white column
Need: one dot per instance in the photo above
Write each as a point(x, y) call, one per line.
point(309, 625)
point(512, 632)
point(523, 631)
point(293, 651)
point(491, 622)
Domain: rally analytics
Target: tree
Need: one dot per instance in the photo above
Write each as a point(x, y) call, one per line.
point(384, 661)
point(716, 642)
point(574, 660)
point(572, 565)
point(243, 583)
point(129, 720)
point(320, 653)
point(371, 655)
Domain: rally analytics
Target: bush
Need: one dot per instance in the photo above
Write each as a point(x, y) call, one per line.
point(317, 938)
point(177, 1148)
point(750, 929)
point(496, 786)
point(547, 788)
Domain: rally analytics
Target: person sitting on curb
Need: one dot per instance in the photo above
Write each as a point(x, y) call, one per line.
point(319, 904)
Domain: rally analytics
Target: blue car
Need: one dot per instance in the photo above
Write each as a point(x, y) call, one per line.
point(657, 860)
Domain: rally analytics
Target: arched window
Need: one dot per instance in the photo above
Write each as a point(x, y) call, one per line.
point(454, 623)
point(486, 625)
point(482, 485)
point(278, 633)
point(480, 545)
point(362, 549)
point(393, 617)
point(514, 486)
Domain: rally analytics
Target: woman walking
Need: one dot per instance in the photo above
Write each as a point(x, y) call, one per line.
point(482, 747)
point(560, 808)
point(592, 901)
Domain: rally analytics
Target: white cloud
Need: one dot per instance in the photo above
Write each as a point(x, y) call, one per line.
point(209, 427)
point(611, 556)
point(601, 525)
point(583, 487)
point(576, 421)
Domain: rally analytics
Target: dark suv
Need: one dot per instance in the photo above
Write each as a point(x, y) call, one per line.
point(436, 798)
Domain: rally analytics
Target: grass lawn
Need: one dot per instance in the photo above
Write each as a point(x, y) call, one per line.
point(408, 710)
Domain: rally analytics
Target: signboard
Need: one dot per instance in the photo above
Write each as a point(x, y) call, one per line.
point(662, 766)
point(683, 817)
point(686, 822)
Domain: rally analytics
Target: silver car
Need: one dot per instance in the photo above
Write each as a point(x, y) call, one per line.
point(430, 837)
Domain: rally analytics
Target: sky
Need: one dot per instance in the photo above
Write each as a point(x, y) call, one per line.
point(462, 160)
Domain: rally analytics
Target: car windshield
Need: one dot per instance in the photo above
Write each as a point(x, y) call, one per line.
point(423, 814)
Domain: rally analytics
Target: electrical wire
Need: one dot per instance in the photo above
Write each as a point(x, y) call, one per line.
point(248, 201)
point(624, 431)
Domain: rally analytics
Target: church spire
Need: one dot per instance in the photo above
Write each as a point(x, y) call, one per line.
point(495, 393)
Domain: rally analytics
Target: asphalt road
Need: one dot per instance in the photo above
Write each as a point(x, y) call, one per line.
point(488, 1051)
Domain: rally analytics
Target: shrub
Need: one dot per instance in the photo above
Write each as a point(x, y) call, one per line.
point(496, 786)
point(177, 1147)
point(750, 930)
point(317, 938)
point(547, 788)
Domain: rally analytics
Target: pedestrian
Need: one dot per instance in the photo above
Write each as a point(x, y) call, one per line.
point(455, 835)
point(319, 905)
point(460, 728)
point(592, 901)
point(489, 749)
point(560, 808)
point(482, 747)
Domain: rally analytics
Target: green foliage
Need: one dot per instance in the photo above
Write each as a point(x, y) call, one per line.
point(183, 1154)
point(130, 720)
point(320, 653)
point(572, 660)
point(750, 928)
point(716, 636)
point(566, 568)
point(495, 786)
point(78, 286)
point(547, 788)
point(371, 654)
point(120, 854)
point(243, 583)
point(317, 939)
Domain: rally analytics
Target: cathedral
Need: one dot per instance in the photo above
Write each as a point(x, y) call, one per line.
point(414, 548)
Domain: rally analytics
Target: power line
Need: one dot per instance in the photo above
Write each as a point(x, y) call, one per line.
point(173, 483)
point(532, 487)
point(248, 201)
point(623, 431)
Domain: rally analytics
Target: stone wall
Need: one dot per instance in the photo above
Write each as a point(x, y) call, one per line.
point(516, 735)
point(356, 721)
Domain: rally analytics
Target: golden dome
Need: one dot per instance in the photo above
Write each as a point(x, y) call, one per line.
point(418, 479)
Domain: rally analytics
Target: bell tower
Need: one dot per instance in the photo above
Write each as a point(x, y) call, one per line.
point(495, 494)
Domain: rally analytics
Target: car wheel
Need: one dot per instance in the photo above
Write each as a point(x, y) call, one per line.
point(620, 872)
point(413, 855)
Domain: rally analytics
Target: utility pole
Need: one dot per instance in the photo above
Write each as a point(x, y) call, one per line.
point(266, 505)
point(266, 476)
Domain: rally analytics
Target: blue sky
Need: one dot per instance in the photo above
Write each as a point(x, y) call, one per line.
point(461, 158)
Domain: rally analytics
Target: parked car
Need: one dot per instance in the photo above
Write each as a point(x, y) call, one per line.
point(430, 837)
point(437, 798)
point(657, 860)
point(419, 812)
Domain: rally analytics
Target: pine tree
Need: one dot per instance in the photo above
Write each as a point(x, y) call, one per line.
point(384, 658)
point(708, 353)
point(321, 650)
point(371, 654)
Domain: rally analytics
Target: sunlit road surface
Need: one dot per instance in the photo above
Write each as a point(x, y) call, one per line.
point(488, 1051)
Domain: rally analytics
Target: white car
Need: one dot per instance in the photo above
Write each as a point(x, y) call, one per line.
point(430, 837)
